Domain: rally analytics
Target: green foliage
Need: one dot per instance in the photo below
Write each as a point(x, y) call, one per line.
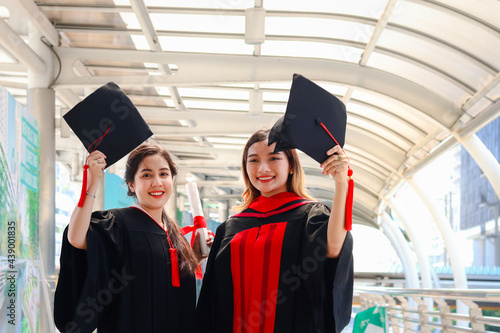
point(491, 313)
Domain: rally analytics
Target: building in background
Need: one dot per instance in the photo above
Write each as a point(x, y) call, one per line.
point(479, 203)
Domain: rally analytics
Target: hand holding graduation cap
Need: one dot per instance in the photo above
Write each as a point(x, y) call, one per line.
point(336, 164)
point(96, 162)
point(313, 120)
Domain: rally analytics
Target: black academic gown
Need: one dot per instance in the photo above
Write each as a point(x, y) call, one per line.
point(122, 282)
point(267, 272)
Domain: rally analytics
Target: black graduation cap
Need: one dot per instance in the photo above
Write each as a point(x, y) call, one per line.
point(314, 121)
point(108, 121)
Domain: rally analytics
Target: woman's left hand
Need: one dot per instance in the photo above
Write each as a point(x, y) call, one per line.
point(336, 165)
point(196, 245)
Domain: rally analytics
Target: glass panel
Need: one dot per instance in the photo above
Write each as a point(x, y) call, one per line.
point(277, 85)
point(383, 132)
point(337, 90)
point(223, 4)
point(130, 20)
point(202, 23)
point(486, 10)
point(216, 105)
point(449, 60)
point(397, 108)
point(400, 125)
point(311, 50)
point(274, 108)
point(307, 26)
point(276, 96)
point(369, 8)
point(228, 140)
point(205, 45)
point(457, 30)
point(213, 93)
point(419, 75)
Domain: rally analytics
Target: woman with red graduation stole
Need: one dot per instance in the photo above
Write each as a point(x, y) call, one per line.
point(129, 269)
point(284, 262)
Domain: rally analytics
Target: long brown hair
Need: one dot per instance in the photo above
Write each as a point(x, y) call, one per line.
point(187, 259)
point(294, 184)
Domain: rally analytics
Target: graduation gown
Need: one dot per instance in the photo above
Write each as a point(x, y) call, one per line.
point(122, 282)
point(268, 272)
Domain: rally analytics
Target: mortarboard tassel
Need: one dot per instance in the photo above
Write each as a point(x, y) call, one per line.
point(174, 258)
point(175, 267)
point(84, 186)
point(349, 201)
point(83, 194)
point(350, 189)
point(174, 261)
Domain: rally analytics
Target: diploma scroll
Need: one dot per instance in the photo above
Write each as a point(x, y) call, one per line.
point(198, 218)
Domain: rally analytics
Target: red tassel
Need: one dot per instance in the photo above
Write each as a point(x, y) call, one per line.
point(176, 282)
point(83, 195)
point(349, 201)
point(199, 273)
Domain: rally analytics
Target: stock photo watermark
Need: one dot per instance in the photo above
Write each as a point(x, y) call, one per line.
point(11, 273)
point(291, 279)
point(88, 309)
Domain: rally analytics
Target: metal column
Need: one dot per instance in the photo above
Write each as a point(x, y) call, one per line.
point(411, 274)
point(447, 234)
point(41, 104)
point(423, 261)
point(484, 159)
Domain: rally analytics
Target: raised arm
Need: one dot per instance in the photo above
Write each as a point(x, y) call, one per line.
point(80, 218)
point(336, 165)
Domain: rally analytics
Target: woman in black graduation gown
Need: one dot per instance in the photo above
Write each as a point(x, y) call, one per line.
point(284, 262)
point(130, 269)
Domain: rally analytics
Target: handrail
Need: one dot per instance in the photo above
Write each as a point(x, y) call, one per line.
point(407, 311)
point(461, 294)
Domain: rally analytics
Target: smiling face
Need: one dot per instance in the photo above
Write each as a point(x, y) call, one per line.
point(152, 183)
point(267, 171)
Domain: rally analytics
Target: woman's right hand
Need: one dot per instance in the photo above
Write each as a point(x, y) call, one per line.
point(96, 163)
point(80, 218)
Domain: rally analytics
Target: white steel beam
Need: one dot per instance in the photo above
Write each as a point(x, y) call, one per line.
point(379, 28)
point(149, 31)
point(202, 69)
point(447, 235)
point(19, 49)
point(487, 116)
point(407, 261)
point(484, 159)
point(39, 20)
point(423, 259)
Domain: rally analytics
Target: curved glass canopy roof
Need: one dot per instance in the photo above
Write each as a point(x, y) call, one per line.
point(416, 76)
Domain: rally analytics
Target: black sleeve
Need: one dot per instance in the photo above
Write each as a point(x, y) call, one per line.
point(205, 309)
point(81, 296)
point(331, 288)
point(72, 275)
point(339, 281)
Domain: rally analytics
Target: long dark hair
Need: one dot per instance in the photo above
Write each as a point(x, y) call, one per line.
point(294, 184)
point(187, 259)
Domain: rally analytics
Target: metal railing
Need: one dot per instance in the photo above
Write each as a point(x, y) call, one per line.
point(429, 310)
